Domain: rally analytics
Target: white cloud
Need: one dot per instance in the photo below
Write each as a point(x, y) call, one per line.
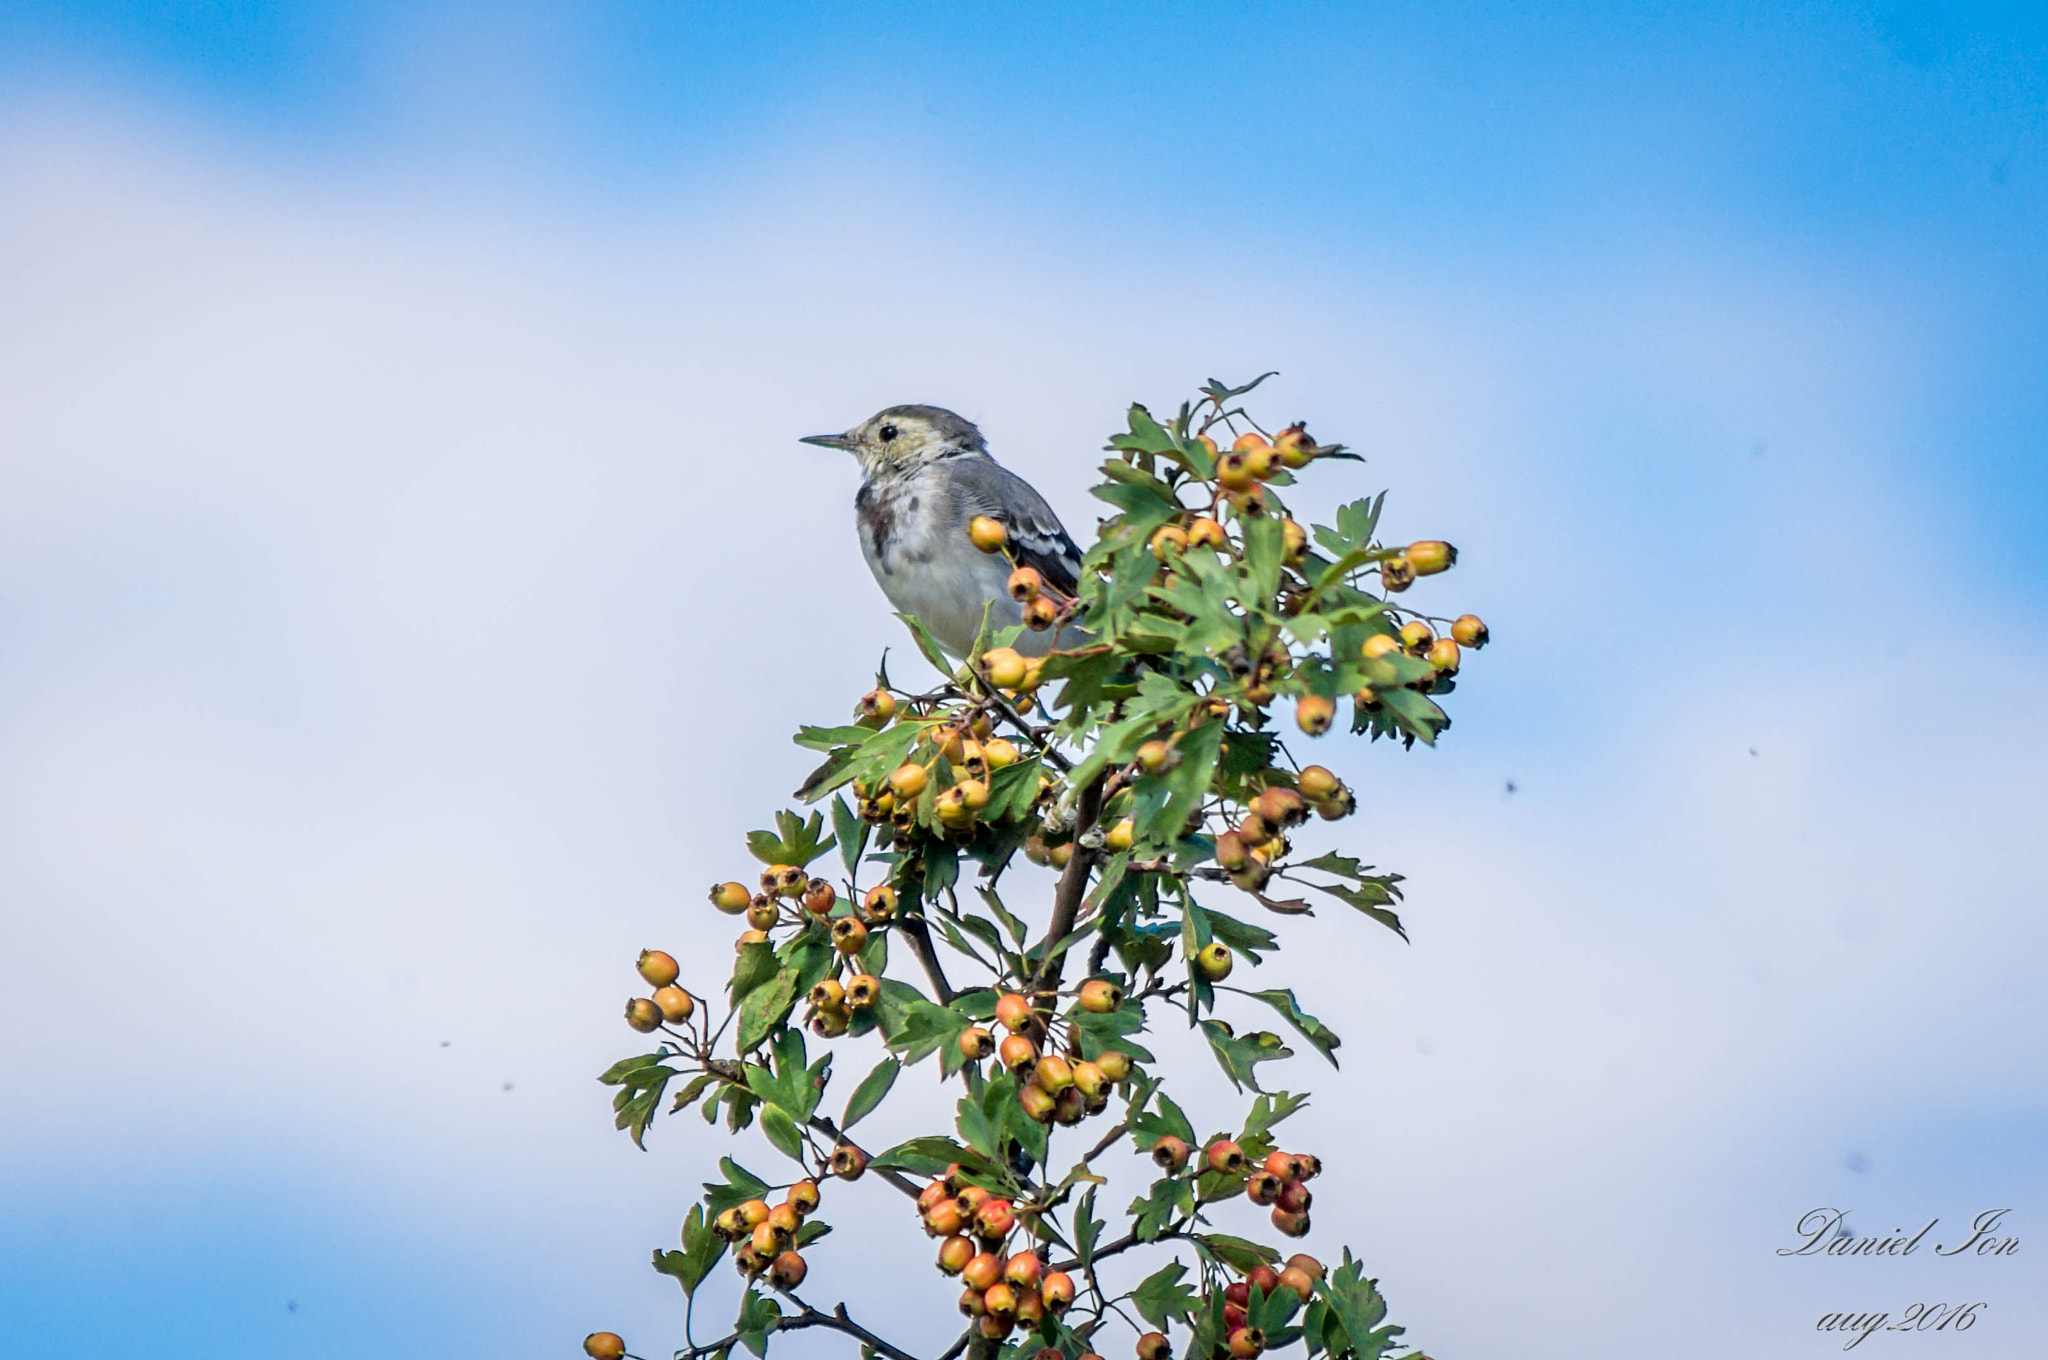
point(377, 573)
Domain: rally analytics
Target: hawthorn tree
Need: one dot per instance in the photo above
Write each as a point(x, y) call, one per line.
point(1143, 763)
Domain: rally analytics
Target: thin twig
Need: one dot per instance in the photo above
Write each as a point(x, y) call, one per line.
point(836, 1320)
point(895, 1178)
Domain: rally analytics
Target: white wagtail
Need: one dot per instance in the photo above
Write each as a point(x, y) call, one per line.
point(925, 472)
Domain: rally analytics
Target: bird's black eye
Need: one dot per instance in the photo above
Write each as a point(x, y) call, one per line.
point(888, 432)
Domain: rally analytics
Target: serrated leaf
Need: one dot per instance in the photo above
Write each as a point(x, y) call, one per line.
point(1087, 1228)
point(1162, 1296)
point(1238, 1055)
point(638, 1099)
point(758, 1316)
point(1366, 898)
point(1270, 1109)
point(702, 1249)
point(1315, 1031)
point(869, 1094)
point(739, 1186)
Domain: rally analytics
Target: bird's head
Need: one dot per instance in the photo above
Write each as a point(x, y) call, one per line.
point(905, 437)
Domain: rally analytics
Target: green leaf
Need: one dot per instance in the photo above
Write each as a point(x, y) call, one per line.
point(798, 842)
point(1153, 1212)
point(930, 1156)
point(755, 966)
point(1315, 1031)
point(640, 1091)
point(979, 1133)
point(1367, 898)
point(1162, 1296)
point(618, 1072)
point(781, 1130)
point(765, 1008)
point(1269, 1110)
point(873, 1087)
point(1087, 1228)
point(1237, 1056)
point(825, 738)
point(1241, 1256)
point(701, 1250)
point(851, 833)
point(1418, 714)
point(1242, 936)
point(759, 1315)
point(1100, 1034)
point(926, 643)
point(1012, 790)
point(1357, 1304)
point(740, 1185)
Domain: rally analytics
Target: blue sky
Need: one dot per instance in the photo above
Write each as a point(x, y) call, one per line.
point(395, 465)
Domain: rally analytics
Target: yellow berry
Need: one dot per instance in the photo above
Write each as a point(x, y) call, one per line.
point(987, 534)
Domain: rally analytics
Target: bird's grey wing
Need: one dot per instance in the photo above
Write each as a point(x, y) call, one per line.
point(1037, 539)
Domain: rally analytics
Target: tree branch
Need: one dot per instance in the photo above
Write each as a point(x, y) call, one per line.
point(917, 934)
point(1124, 1244)
point(895, 1178)
point(1073, 887)
point(836, 1320)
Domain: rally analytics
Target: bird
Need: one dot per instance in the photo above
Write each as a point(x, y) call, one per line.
point(925, 473)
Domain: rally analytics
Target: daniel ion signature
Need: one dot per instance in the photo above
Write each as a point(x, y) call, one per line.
point(1825, 1232)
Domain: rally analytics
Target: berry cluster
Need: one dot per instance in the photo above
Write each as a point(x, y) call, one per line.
point(1278, 1181)
point(1004, 1290)
point(669, 1004)
point(764, 1238)
point(1044, 607)
point(1052, 1087)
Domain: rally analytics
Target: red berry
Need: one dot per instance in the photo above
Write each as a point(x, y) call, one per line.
point(1170, 1153)
point(1226, 1157)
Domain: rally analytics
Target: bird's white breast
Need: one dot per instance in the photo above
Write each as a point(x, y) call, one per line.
point(927, 567)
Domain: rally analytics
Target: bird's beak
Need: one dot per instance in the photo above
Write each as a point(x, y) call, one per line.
point(828, 441)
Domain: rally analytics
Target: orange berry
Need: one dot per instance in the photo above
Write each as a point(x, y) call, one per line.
point(658, 968)
point(987, 534)
point(848, 935)
point(787, 1271)
point(907, 781)
point(876, 707)
point(643, 1015)
point(676, 1004)
point(880, 903)
point(1100, 996)
point(604, 1346)
point(1430, 556)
